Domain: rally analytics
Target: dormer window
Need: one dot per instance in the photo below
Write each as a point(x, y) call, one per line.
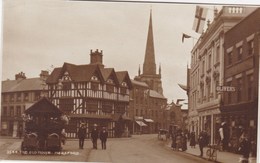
point(66, 76)
point(110, 81)
point(124, 84)
point(94, 78)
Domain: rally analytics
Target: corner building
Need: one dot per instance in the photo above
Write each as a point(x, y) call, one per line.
point(91, 94)
point(207, 72)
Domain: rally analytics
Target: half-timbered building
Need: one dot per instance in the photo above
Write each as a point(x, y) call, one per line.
point(91, 94)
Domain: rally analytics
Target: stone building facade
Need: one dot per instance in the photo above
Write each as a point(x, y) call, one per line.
point(207, 72)
point(149, 75)
point(17, 96)
point(148, 102)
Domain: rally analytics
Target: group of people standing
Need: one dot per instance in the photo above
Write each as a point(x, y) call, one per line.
point(95, 134)
point(246, 145)
point(179, 140)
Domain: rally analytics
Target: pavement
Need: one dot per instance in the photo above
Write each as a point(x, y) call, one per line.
point(222, 157)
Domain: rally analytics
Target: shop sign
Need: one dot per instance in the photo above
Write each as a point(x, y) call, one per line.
point(225, 89)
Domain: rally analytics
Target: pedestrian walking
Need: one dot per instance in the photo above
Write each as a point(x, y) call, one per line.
point(192, 139)
point(178, 141)
point(184, 141)
point(81, 135)
point(203, 141)
point(173, 141)
point(94, 136)
point(103, 137)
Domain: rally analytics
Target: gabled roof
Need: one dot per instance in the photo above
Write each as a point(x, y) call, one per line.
point(31, 84)
point(43, 107)
point(54, 76)
point(123, 76)
point(83, 73)
point(107, 72)
point(78, 73)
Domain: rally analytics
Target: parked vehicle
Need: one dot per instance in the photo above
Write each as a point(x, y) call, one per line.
point(163, 134)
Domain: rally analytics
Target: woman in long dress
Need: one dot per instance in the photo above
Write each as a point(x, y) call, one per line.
point(192, 139)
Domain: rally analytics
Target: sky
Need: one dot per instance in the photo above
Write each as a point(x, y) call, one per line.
point(42, 34)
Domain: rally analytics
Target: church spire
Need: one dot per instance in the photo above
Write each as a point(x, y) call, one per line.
point(149, 67)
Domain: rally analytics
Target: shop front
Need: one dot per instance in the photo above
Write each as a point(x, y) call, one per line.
point(209, 121)
point(240, 118)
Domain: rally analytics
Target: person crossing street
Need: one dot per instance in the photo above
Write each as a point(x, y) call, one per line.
point(81, 135)
point(103, 137)
point(94, 136)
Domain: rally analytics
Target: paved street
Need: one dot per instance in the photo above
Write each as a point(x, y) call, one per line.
point(141, 149)
point(138, 149)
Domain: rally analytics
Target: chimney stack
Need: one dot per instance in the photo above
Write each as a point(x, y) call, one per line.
point(96, 57)
point(20, 76)
point(44, 74)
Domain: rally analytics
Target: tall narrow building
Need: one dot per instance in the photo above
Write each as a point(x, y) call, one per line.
point(149, 74)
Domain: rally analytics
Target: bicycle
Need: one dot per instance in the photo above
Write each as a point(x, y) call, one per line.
point(212, 152)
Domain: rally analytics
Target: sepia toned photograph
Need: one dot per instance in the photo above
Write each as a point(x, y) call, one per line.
point(129, 81)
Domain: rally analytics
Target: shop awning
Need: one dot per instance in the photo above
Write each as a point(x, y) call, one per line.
point(149, 120)
point(140, 123)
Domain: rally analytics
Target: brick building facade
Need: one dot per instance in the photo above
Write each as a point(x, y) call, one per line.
point(242, 50)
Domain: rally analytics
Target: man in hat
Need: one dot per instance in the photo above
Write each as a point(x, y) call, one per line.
point(224, 135)
point(103, 137)
point(81, 135)
point(203, 141)
point(94, 136)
